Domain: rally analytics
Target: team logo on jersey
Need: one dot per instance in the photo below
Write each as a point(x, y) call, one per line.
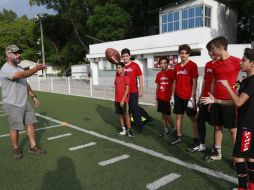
point(128, 70)
point(183, 72)
point(209, 70)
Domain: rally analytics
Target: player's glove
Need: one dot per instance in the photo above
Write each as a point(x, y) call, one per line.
point(172, 102)
point(191, 103)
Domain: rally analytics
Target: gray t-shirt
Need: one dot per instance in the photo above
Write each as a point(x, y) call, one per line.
point(14, 92)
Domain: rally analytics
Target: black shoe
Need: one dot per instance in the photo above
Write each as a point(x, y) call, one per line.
point(179, 140)
point(129, 133)
point(36, 150)
point(164, 133)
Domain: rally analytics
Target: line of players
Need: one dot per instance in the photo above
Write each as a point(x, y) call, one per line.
point(178, 87)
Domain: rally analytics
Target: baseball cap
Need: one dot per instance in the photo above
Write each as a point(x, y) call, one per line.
point(12, 49)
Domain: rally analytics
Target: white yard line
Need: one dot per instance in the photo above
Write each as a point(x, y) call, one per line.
point(39, 129)
point(113, 160)
point(194, 167)
point(82, 146)
point(59, 136)
point(162, 181)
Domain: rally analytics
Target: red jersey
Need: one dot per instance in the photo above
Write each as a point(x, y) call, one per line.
point(227, 69)
point(120, 86)
point(208, 77)
point(133, 71)
point(164, 80)
point(183, 76)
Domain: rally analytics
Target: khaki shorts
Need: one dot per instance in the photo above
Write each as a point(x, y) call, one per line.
point(19, 116)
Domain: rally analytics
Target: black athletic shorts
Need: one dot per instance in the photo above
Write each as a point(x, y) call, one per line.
point(181, 106)
point(223, 115)
point(121, 110)
point(244, 146)
point(203, 113)
point(164, 107)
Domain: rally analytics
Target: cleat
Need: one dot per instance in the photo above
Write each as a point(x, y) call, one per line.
point(164, 133)
point(36, 150)
point(194, 149)
point(179, 140)
point(214, 156)
point(123, 132)
point(129, 133)
point(17, 154)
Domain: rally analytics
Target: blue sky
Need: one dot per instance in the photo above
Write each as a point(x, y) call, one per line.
point(22, 7)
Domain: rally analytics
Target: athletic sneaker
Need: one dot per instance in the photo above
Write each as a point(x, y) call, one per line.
point(123, 132)
point(179, 140)
point(214, 156)
point(36, 150)
point(17, 154)
point(129, 133)
point(164, 133)
point(199, 148)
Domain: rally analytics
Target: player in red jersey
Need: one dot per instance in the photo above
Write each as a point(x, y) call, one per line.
point(186, 74)
point(244, 147)
point(122, 98)
point(226, 68)
point(164, 81)
point(133, 71)
point(203, 113)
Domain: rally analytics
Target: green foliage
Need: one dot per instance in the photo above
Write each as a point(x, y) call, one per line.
point(108, 22)
point(18, 31)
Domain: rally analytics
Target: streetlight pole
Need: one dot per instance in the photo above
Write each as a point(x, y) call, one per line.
point(39, 17)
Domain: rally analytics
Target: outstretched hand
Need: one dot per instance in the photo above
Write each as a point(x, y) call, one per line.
point(40, 67)
point(208, 100)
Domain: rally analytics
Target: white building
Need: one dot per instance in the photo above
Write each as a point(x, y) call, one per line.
point(193, 22)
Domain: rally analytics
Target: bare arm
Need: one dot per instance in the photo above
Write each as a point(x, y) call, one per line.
point(125, 95)
point(237, 100)
point(141, 83)
point(194, 87)
point(33, 96)
point(28, 73)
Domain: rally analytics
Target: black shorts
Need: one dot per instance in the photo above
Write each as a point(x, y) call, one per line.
point(122, 110)
point(244, 146)
point(203, 113)
point(223, 115)
point(181, 106)
point(164, 107)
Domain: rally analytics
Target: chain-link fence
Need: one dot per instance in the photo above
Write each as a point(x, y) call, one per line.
point(84, 87)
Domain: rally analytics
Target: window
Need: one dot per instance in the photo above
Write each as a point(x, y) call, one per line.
point(192, 17)
point(170, 22)
point(208, 16)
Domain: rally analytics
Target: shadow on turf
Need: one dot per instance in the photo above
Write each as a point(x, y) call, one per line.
point(64, 177)
point(108, 116)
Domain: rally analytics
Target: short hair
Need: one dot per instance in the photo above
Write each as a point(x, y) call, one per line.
point(209, 46)
point(163, 58)
point(120, 64)
point(185, 47)
point(249, 54)
point(220, 41)
point(125, 50)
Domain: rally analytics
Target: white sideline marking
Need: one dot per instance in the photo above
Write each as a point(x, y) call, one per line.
point(162, 181)
point(39, 129)
point(113, 160)
point(82, 146)
point(195, 167)
point(59, 136)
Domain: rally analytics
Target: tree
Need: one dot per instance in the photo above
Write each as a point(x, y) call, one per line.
point(108, 22)
point(14, 30)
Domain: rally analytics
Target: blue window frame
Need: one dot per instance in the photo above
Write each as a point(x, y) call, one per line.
point(193, 17)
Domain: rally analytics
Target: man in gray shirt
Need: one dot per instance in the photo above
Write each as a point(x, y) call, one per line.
point(15, 92)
